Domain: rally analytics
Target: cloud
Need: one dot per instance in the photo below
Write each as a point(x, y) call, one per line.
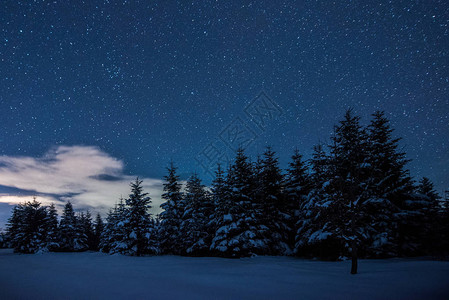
point(85, 175)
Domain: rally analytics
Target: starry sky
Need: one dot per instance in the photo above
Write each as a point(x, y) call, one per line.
point(94, 93)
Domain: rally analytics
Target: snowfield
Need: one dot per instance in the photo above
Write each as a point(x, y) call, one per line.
point(100, 276)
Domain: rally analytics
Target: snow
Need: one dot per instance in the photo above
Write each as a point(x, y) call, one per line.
point(90, 275)
point(227, 217)
point(319, 236)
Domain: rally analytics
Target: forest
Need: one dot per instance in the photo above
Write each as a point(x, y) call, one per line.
point(354, 198)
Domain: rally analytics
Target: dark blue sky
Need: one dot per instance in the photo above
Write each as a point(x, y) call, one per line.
point(147, 83)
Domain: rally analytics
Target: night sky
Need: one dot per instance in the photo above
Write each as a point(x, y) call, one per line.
point(95, 93)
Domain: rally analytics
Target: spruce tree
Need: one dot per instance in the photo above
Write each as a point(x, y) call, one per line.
point(171, 217)
point(239, 232)
point(117, 233)
point(350, 185)
point(422, 220)
point(86, 229)
point(390, 178)
point(107, 237)
point(51, 227)
point(99, 228)
point(219, 198)
point(391, 188)
point(195, 220)
point(330, 226)
point(314, 236)
point(71, 235)
point(296, 187)
point(272, 212)
point(139, 232)
point(14, 225)
point(26, 227)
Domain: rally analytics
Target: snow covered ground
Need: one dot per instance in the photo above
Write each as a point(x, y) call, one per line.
point(101, 276)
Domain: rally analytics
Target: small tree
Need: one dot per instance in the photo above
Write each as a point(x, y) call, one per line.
point(99, 227)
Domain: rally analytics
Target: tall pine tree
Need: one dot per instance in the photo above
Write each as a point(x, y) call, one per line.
point(239, 231)
point(270, 204)
point(140, 236)
point(71, 237)
point(171, 217)
point(296, 187)
point(195, 221)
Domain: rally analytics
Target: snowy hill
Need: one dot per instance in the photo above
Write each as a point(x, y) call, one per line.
point(99, 276)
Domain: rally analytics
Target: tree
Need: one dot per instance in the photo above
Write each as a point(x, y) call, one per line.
point(86, 229)
point(423, 220)
point(99, 227)
point(13, 226)
point(239, 233)
point(314, 236)
point(350, 181)
point(330, 225)
point(296, 187)
point(51, 227)
point(391, 179)
point(71, 237)
point(269, 202)
point(113, 232)
point(26, 227)
point(219, 198)
point(170, 228)
point(195, 220)
point(138, 225)
point(391, 187)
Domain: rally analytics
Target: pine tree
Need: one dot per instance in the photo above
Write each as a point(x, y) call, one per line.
point(296, 187)
point(14, 224)
point(116, 229)
point(86, 229)
point(107, 237)
point(195, 220)
point(422, 218)
point(219, 198)
point(171, 217)
point(391, 180)
point(51, 227)
point(138, 224)
point(331, 226)
point(26, 227)
point(71, 236)
point(350, 171)
point(99, 228)
point(427, 188)
point(239, 232)
point(272, 214)
point(314, 236)
point(391, 188)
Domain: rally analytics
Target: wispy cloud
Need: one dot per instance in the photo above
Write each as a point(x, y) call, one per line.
point(87, 176)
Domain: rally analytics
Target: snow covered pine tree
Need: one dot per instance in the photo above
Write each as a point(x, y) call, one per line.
point(171, 217)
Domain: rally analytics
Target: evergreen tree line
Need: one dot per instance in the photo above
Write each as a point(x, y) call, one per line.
point(354, 197)
point(35, 228)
